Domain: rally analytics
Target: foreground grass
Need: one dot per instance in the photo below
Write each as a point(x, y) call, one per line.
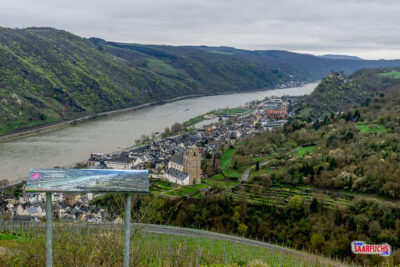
point(74, 246)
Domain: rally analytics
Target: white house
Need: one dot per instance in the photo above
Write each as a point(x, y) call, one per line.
point(176, 176)
point(113, 164)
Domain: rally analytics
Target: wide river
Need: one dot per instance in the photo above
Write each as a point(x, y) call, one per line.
point(108, 134)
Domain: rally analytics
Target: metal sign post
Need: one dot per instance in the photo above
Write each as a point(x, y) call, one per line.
point(127, 231)
point(85, 181)
point(49, 231)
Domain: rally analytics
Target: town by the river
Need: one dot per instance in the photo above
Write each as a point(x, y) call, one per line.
point(76, 143)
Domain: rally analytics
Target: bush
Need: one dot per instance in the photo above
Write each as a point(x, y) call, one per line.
point(242, 229)
point(317, 241)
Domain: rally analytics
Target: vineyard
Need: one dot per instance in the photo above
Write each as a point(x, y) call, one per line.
point(89, 246)
point(279, 195)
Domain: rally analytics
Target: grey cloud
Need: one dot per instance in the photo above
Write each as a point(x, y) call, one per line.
point(361, 27)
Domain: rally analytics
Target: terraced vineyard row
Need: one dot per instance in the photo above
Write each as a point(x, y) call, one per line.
point(280, 195)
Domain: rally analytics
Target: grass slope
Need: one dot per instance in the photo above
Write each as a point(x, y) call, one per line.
point(81, 247)
point(226, 165)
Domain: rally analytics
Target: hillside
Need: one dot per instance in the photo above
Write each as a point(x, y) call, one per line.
point(317, 185)
point(48, 75)
point(339, 95)
point(325, 183)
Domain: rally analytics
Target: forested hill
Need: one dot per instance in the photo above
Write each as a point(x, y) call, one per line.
point(47, 75)
point(339, 94)
point(322, 184)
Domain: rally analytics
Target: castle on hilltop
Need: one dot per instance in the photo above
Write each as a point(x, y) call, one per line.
point(337, 76)
point(185, 168)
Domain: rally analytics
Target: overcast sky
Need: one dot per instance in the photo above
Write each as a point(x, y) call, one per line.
point(365, 28)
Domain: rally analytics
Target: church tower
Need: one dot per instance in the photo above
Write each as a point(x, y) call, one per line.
point(192, 164)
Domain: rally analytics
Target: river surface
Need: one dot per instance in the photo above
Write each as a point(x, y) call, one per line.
point(108, 134)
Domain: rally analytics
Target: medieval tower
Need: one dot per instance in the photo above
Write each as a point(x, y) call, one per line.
point(217, 160)
point(192, 164)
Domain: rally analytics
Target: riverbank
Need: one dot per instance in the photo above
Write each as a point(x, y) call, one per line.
point(65, 123)
point(62, 124)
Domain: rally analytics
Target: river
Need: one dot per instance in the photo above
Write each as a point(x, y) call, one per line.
point(108, 134)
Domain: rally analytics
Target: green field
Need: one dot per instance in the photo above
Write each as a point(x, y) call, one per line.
point(186, 190)
point(161, 67)
point(193, 121)
point(230, 111)
point(224, 184)
point(74, 246)
point(395, 75)
point(8, 237)
point(218, 176)
point(305, 150)
point(160, 186)
point(225, 165)
point(371, 127)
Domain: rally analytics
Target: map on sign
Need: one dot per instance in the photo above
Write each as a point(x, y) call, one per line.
point(87, 180)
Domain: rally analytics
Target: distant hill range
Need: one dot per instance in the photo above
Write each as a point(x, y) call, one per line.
point(341, 57)
point(48, 75)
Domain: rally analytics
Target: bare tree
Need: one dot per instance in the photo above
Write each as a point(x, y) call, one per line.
point(176, 127)
point(4, 182)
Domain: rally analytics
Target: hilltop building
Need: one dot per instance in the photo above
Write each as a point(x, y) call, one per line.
point(337, 76)
point(185, 168)
point(332, 75)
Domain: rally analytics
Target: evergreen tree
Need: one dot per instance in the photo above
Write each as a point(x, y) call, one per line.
point(357, 115)
point(332, 164)
point(314, 205)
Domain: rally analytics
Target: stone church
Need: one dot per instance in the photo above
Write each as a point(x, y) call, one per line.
point(185, 168)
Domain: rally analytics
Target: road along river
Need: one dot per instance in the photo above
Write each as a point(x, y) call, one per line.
point(108, 134)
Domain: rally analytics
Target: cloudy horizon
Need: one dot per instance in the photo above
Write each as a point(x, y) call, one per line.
point(368, 29)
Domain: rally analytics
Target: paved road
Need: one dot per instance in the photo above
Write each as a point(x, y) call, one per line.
point(246, 173)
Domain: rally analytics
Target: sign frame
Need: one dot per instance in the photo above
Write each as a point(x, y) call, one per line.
point(97, 181)
point(87, 180)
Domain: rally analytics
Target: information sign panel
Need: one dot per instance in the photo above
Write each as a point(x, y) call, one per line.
point(87, 180)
